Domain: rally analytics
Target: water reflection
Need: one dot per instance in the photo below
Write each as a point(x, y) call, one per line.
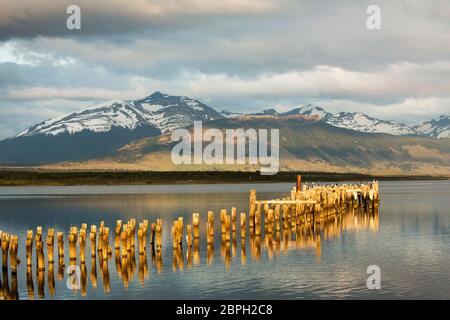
point(131, 251)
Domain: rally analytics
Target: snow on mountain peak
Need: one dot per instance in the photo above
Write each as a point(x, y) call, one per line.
point(158, 110)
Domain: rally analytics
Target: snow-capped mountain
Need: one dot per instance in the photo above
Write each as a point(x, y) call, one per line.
point(436, 128)
point(310, 110)
point(361, 122)
point(158, 110)
point(353, 120)
point(102, 129)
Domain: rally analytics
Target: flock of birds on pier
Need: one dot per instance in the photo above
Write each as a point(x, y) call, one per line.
point(295, 221)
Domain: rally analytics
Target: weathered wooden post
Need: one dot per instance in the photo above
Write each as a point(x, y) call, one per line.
point(82, 241)
point(14, 243)
point(158, 235)
point(50, 245)
point(233, 219)
point(196, 224)
point(141, 239)
point(210, 229)
point(223, 214)
point(299, 183)
point(258, 222)
point(227, 227)
point(60, 237)
point(117, 234)
point(73, 245)
point(277, 218)
point(29, 247)
point(152, 235)
point(189, 236)
point(93, 240)
point(40, 252)
point(123, 239)
point(243, 225)
point(105, 246)
point(39, 233)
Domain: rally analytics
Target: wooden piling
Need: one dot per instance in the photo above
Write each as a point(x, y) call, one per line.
point(189, 236)
point(243, 225)
point(13, 247)
point(93, 240)
point(50, 245)
point(60, 237)
point(29, 247)
point(196, 224)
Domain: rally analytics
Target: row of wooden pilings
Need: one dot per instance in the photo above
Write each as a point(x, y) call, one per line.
point(309, 205)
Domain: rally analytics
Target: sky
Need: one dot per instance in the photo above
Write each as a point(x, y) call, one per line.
point(235, 55)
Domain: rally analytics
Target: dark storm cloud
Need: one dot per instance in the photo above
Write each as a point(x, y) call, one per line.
point(235, 55)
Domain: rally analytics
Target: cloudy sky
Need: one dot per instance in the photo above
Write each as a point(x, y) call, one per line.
point(243, 55)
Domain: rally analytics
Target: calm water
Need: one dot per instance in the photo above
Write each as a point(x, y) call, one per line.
point(409, 240)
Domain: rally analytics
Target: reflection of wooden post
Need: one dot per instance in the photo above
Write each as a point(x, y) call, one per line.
point(40, 254)
point(51, 279)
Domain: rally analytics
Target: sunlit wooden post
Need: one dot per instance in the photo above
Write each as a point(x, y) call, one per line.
point(40, 252)
point(105, 245)
point(117, 234)
point(29, 247)
point(50, 245)
point(82, 242)
point(158, 234)
point(73, 245)
point(14, 244)
point(60, 237)
point(227, 227)
point(141, 239)
point(189, 236)
point(93, 240)
point(210, 229)
point(243, 225)
point(233, 219)
point(223, 214)
point(196, 224)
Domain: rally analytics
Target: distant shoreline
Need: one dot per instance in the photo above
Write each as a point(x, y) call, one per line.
point(33, 177)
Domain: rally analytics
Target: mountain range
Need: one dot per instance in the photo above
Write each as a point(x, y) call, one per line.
point(101, 130)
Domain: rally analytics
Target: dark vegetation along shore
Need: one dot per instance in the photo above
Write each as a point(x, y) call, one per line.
point(66, 178)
